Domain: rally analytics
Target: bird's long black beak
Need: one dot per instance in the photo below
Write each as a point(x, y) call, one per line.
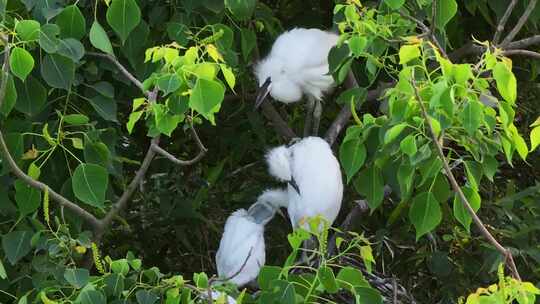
point(293, 184)
point(262, 93)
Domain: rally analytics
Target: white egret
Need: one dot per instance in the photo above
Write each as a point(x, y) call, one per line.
point(315, 185)
point(297, 65)
point(241, 252)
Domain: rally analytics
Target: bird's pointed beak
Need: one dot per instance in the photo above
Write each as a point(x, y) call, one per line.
point(293, 184)
point(262, 93)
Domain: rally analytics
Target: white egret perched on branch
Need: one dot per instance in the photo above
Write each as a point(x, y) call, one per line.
point(241, 252)
point(298, 65)
point(315, 186)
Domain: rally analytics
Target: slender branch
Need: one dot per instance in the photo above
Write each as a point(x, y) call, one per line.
point(87, 216)
point(122, 69)
point(457, 189)
point(169, 156)
point(124, 198)
point(523, 43)
point(345, 114)
point(502, 23)
point(277, 121)
point(519, 24)
point(426, 31)
point(526, 53)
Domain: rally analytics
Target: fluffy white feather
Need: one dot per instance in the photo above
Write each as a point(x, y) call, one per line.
point(318, 176)
point(298, 64)
point(279, 164)
point(241, 236)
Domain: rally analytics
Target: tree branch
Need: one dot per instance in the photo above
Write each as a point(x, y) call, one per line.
point(502, 23)
point(457, 189)
point(523, 43)
point(519, 24)
point(526, 53)
point(169, 156)
point(426, 31)
point(345, 114)
point(122, 69)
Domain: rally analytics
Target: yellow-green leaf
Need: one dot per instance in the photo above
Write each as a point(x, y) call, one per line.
point(408, 53)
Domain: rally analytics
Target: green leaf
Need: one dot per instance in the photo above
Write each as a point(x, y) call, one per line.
point(535, 138)
point(370, 184)
point(90, 183)
point(99, 38)
point(165, 122)
point(104, 88)
point(408, 145)
point(178, 32)
point(352, 155)
point(27, 30)
point(206, 98)
point(520, 144)
point(394, 4)
point(48, 39)
point(77, 143)
point(76, 119)
point(425, 213)
point(34, 171)
point(71, 48)
point(77, 277)
point(71, 22)
point(228, 75)
point(28, 199)
point(133, 118)
point(460, 211)
point(123, 16)
point(393, 133)
point(328, 280)
point(97, 153)
point(32, 96)
point(168, 83)
point(3, 273)
point(506, 82)
point(58, 71)
point(446, 10)
point(10, 97)
point(21, 62)
point(358, 95)
point(367, 295)
point(241, 9)
point(349, 277)
point(146, 297)
point(472, 116)
point(405, 176)
point(89, 296)
point(267, 274)
point(105, 107)
point(16, 245)
point(120, 266)
point(248, 42)
point(114, 284)
point(357, 44)
point(408, 53)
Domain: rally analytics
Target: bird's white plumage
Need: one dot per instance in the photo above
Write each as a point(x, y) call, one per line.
point(278, 160)
point(316, 171)
point(241, 235)
point(298, 64)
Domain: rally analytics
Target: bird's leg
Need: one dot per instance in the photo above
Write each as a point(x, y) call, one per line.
point(309, 116)
point(317, 112)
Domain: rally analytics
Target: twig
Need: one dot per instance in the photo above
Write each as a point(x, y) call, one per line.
point(122, 69)
point(426, 31)
point(345, 114)
point(523, 43)
point(502, 23)
point(169, 156)
point(527, 53)
point(277, 121)
point(519, 24)
point(455, 186)
point(394, 285)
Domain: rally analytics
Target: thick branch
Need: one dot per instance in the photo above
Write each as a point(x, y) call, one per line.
point(502, 23)
point(523, 43)
point(457, 189)
point(277, 121)
point(519, 24)
point(122, 69)
point(169, 156)
point(526, 53)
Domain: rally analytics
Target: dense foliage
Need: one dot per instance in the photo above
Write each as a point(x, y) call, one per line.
point(101, 102)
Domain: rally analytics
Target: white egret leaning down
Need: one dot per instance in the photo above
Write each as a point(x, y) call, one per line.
point(315, 186)
point(241, 252)
point(298, 65)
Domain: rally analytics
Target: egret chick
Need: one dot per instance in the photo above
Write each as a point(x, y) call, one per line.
point(315, 185)
point(241, 252)
point(297, 65)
